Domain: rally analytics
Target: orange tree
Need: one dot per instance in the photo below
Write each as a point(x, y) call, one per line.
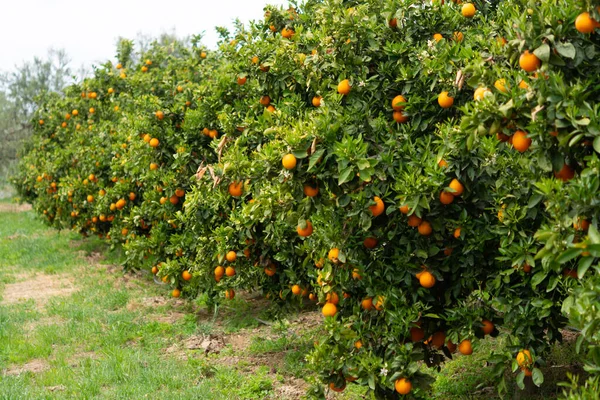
point(426, 171)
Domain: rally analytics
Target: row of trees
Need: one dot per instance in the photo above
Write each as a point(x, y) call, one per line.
point(427, 172)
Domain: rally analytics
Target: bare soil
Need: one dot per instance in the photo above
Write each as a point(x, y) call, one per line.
point(39, 288)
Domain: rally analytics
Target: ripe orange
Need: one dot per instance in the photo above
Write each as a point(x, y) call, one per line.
point(90, 198)
point(457, 187)
point(179, 192)
point(378, 208)
point(333, 297)
point(358, 344)
point(344, 87)
point(241, 80)
point(329, 310)
point(425, 228)
point(230, 271)
point(154, 270)
point(174, 200)
point(445, 101)
point(367, 303)
point(457, 233)
point(566, 173)
point(270, 270)
point(520, 141)
point(132, 196)
point(426, 279)
point(529, 61)
point(229, 294)
point(416, 334)
point(396, 103)
point(271, 108)
point(265, 100)
point(404, 209)
point(379, 303)
point(154, 142)
point(526, 371)
point(446, 197)
point(316, 101)
point(287, 33)
point(176, 293)
point(289, 161)
point(468, 10)
point(437, 37)
point(403, 386)
point(451, 346)
point(296, 290)
point(585, 23)
point(310, 191)
point(124, 231)
point(393, 23)
point(465, 347)
point(414, 221)
point(458, 36)
point(500, 84)
point(231, 256)
point(488, 327)
point(236, 188)
point(356, 274)
point(336, 388)
point(581, 224)
point(219, 271)
point(160, 115)
point(255, 60)
point(153, 166)
point(438, 339)
point(524, 358)
point(186, 275)
point(370, 242)
point(307, 231)
point(333, 254)
point(480, 93)
point(399, 117)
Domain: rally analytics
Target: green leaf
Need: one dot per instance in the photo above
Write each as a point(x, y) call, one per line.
point(314, 158)
point(583, 266)
point(566, 50)
point(521, 380)
point(597, 144)
point(538, 278)
point(534, 200)
point(568, 255)
point(537, 376)
point(593, 235)
point(543, 52)
point(345, 175)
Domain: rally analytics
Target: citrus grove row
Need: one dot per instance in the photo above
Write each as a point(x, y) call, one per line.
point(426, 172)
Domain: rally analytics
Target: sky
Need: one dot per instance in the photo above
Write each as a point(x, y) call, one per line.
point(88, 30)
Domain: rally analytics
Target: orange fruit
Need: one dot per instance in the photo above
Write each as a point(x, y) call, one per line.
point(219, 271)
point(255, 60)
point(457, 187)
point(179, 192)
point(438, 339)
point(336, 388)
point(333, 254)
point(451, 346)
point(393, 23)
point(378, 208)
point(236, 188)
point(446, 197)
point(379, 303)
point(520, 141)
point(427, 280)
point(488, 327)
point(333, 297)
point(526, 371)
point(468, 10)
point(153, 166)
point(424, 228)
point(458, 36)
point(403, 386)
point(404, 209)
point(160, 115)
point(229, 294)
point(241, 80)
point(329, 310)
point(310, 191)
point(287, 33)
point(316, 101)
point(121, 203)
point(465, 347)
point(500, 84)
point(124, 231)
point(358, 344)
point(529, 61)
point(186, 275)
point(437, 37)
point(344, 87)
point(90, 198)
point(399, 117)
point(174, 200)
point(296, 290)
point(265, 100)
point(370, 242)
point(230, 271)
point(289, 161)
point(396, 103)
point(480, 93)
point(457, 233)
point(367, 303)
point(584, 23)
point(416, 334)
point(566, 173)
point(524, 358)
point(414, 221)
point(270, 270)
point(581, 224)
point(445, 101)
point(307, 231)
point(154, 142)
point(356, 274)
point(132, 196)
point(231, 256)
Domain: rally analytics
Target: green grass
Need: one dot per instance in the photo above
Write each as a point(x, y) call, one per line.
point(107, 340)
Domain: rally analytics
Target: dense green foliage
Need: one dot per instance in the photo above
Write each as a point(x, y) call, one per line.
point(179, 158)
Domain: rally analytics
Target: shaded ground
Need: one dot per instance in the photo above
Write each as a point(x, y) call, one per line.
point(72, 325)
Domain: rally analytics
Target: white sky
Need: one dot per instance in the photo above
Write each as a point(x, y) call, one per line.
point(88, 30)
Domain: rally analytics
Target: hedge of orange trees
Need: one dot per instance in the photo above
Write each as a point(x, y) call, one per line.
point(427, 172)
